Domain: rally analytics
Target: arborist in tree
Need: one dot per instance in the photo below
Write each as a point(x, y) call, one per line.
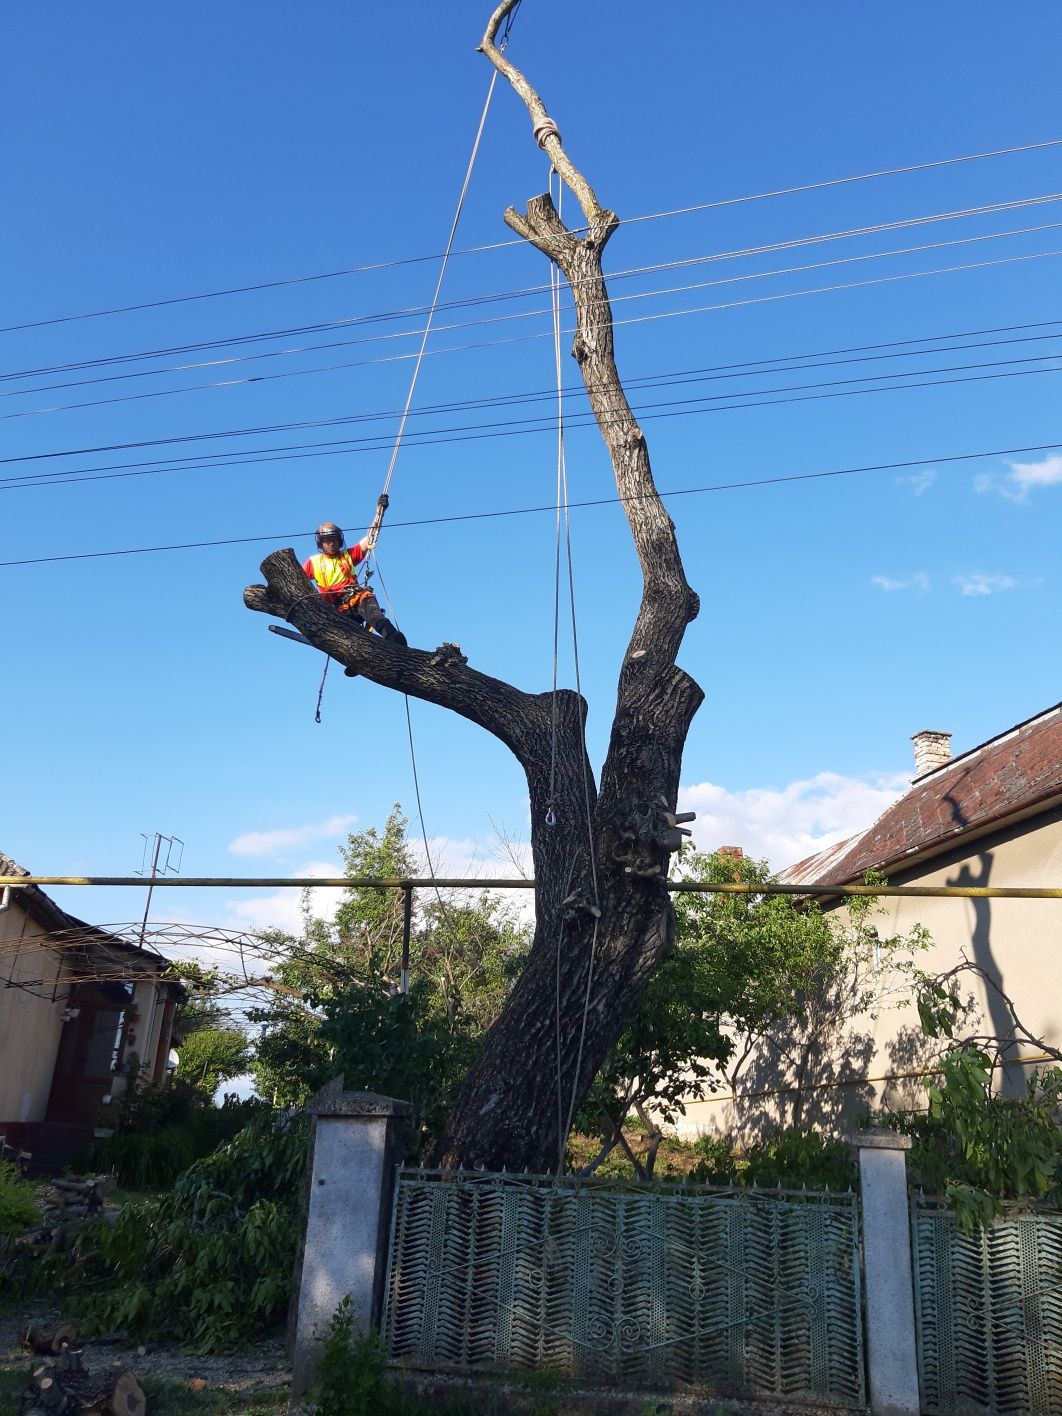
point(334, 570)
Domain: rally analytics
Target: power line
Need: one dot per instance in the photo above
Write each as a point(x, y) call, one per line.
point(823, 358)
point(527, 291)
point(478, 432)
point(496, 319)
point(642, 319)
point(516, 428)
point(936, 460)
point(377, 266)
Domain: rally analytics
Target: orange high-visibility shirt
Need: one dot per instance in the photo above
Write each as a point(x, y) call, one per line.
point(332, 574)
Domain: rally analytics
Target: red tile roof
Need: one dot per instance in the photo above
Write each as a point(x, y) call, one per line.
point(1008, 774)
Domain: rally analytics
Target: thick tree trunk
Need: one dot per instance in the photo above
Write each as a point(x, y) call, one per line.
point(603, 914)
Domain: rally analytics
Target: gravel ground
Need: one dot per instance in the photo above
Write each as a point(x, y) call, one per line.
point(261, 1367)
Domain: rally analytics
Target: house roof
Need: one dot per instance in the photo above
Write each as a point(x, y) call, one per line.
point(74, 932)
point(1010, 775)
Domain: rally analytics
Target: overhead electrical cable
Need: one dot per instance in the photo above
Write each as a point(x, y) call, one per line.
point(641, 319)
point(377, 266)
point(473, 432)
point(498, 319)
point(675, 378)
point(767, 364)
point(934, 459)
point(528, 291)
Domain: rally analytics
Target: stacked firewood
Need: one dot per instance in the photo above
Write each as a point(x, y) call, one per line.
point(63, 1386)
point(67, 1207)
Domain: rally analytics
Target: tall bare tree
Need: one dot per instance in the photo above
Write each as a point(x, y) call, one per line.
point(603, 915)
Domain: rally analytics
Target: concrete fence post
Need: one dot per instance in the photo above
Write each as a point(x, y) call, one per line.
point(892, 1355)
point(347, 1218)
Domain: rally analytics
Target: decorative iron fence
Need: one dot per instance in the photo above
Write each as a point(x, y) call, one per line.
point(988, 1309)
point(744, 1292)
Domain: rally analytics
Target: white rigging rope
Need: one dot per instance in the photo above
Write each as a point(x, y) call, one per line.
point(439, 281)
point(564, 1123)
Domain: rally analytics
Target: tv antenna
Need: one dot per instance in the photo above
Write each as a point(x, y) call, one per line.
point(168, 863)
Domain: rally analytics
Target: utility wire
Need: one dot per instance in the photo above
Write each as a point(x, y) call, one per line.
point(935, 459)
point(639, 319)
point(796, 362)
point(528, 291)
point(377, 266)
point(496, 319)
point(476, 432)
point(327, 422)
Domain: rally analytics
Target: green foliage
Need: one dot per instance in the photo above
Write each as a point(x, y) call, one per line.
point(159, 1131)
point(793, 1158)
point(338, 1009)
point(742, 963)
point(209, 1056)
point(350, 1379)
point(18, 1208)
point(210, 1263)
point(980, 1150)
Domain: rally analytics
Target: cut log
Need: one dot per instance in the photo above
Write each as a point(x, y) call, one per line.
point(48, 1343)
point(50, 1394)
point(128, 1398)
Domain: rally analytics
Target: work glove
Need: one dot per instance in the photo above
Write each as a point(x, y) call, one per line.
point(383, 501)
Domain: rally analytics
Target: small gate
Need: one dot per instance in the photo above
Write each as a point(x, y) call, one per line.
point(989, 1313)
point(748, 1293)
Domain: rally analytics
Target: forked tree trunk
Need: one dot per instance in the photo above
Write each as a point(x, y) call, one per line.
point(603, 920)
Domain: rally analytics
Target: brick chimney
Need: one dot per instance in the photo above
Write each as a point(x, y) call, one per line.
point(931, 750)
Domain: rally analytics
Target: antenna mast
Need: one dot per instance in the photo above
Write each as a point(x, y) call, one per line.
point(170, 865)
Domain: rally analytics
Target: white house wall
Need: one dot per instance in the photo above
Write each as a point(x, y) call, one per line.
point(30, 1022)
point(1019, 942)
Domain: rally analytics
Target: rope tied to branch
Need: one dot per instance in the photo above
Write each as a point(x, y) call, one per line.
point(546, 129)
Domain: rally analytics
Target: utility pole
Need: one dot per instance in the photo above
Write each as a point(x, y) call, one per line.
point(169, 866)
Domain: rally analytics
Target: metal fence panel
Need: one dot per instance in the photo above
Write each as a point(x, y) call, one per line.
point(988, 1307)
point(745, 1292)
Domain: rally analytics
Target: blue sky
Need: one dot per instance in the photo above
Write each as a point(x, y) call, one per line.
point(162, 151)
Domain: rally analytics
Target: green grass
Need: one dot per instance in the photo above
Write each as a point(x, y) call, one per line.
point(170, 1398)
point(13, 1383)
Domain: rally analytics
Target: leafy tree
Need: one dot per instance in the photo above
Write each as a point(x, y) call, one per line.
point(209, 1056)
point(742, 964)
point(756, 982)
point(338, 1008)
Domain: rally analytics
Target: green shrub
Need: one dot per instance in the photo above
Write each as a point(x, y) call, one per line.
point(18, 1208)
point(979, 1150)
point(210, 1263)
point(350, 1379)
point(793, 1158)
point(160, 1131)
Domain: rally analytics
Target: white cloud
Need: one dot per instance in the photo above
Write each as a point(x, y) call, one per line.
point(919, 482)
point(918, 580)
point(980, 583)
point(461, 859)
point(287, 839)
point(1022, 477)
point(283, 909)
point(785, 824)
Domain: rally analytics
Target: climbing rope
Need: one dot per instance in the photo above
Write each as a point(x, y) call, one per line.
point(320, 691)
point(439, 282)
point(398, 443)
point(564, 1124)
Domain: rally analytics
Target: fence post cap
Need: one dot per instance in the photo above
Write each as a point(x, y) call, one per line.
point(332, 1100)
point(880, 1140)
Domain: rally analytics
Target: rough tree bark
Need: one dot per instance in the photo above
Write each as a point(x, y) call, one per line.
point(602, 923)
